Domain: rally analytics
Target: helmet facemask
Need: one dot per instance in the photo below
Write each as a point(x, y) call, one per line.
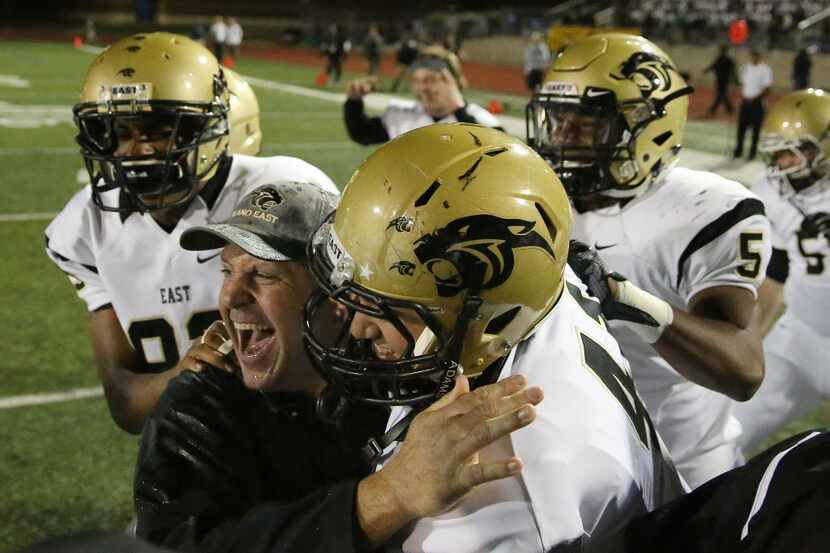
point(414, 376)
point(166, 178)
point(590, 141)
point(631, 100)
point(811, 167)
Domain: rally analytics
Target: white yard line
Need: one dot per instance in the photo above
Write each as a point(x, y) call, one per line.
point(20, 217)
point(55, 397)
point(90, 49)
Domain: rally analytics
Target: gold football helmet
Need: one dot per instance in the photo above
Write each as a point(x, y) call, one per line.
point(461, 226)
point(243, 118)
point(161, 88)
point(798, 124)
point(610, 115)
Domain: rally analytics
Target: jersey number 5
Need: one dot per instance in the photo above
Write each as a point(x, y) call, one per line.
point(141, 333)
point(815, 260)
point(750, 254)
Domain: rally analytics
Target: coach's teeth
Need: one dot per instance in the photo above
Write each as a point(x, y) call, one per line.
point(251, 326)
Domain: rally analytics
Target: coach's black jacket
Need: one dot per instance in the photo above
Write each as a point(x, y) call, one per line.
point(222, 468)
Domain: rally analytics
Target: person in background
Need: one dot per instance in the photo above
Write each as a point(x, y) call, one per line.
point(724, 70)
point(801, 69)
point(756, 79)
point(217, 35)
point(537, 59)
point(405, 56)
point(795, 188)
point(437, 83)
point(233, 38)
point(335, 46)
point(371, 49)
point(89, 30)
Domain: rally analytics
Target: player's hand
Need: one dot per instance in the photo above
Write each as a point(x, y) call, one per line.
point(359, 88)
point(587, 264)
point(213, 348)
point(437, 463)
point(816, 224)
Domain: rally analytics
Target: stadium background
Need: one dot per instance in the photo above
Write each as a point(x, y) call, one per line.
point(64, 466)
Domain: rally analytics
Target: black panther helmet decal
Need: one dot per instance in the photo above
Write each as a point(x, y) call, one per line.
point(476, 252)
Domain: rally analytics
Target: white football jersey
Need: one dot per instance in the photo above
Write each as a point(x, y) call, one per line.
point(690, 231)
point(807, 290)
point(163, 295)
point(402, 116)
point(591, 459)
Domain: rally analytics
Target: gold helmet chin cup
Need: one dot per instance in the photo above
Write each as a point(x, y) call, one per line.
point(796, 120)
point(634, 83)
point(243, 118)
point(432, 220)
point(153, 76)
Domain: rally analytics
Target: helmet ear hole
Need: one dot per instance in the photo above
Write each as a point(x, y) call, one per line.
point(499, 323)
point(660, 139)
point(548, 223)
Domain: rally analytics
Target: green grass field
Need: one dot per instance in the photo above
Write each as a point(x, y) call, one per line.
point(65, 467)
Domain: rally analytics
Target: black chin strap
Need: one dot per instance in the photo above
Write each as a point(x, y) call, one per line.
point(374, 448)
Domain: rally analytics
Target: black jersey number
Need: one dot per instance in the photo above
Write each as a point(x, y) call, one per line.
point(143, 332)
point(621, 386)
point(750, 256)
point(815, 260)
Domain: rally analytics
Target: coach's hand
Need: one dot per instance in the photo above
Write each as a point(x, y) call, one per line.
point(213, 348)
point(359, 88)
point(438, 462)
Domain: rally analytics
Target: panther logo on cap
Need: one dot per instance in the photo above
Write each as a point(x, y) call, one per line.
point(267, 199)
point(476, 251)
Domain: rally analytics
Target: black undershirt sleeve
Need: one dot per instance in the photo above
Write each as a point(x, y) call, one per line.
point(362, 129)
point(779, 266)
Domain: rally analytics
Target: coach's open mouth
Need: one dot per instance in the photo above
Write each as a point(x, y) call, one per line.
point(257, 347)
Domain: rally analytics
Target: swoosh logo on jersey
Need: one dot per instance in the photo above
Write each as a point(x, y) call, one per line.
point(200, 259)
point(598, 247)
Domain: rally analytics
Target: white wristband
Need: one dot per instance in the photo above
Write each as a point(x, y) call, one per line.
point(638, 298)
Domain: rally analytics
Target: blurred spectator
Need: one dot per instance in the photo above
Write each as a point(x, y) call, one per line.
point(371, 49)
point(233, 38)
point(217, 37)
point(89, 30)
point(801, 69)
point(407, 52)
point(756, 78)
point(452, 42)
point(335, 47)
point(199, 33)
point(437, 83)
point(537, 59)
point(724, 69)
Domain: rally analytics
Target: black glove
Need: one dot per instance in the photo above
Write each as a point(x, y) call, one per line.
point(816, 224)
point(587, 264)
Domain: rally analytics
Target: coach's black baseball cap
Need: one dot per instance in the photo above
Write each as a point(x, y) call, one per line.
point(272, 222)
